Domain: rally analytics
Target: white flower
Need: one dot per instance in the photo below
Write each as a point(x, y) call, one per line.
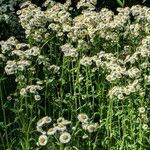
point(141, 110)
point(74, 128)
point(37, 97)
point(63, 121)
point(65, 137)
point(60, 119)
point(145, 126)
point(47, 119)
point(82, 118)
point(120, 96)
point(61, 127)
point(23, 92)
point(69, 50)
point(51, 131)
point(84, 126)
point(133, 72)
point(86, 61)
point(44, 120)
point(40, 122)
point(42, 140)
point(92, 127)
point(94, 2)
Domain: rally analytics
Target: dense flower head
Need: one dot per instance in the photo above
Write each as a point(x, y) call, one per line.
point(82, 118)
point(44, 120)
point(51, 131)
point(65, 137)
point(141, 110)
point(42, 140)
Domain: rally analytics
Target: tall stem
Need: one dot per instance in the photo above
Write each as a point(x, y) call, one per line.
point(4, 113)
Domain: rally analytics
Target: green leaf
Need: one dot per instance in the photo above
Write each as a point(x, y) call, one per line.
point(121, 3)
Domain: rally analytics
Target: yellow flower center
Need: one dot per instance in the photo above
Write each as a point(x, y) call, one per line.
point(42, 140)
point(65, 137)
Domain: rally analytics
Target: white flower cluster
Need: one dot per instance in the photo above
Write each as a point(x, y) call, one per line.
point(89, 24)
point(142, 51)
point(122, 91)
point(20, 55)
point(144, 118)
point(32, 20)
point(69, 50)
point(37, 22)
point(86, 124)
point(60, 128)
point(32, 89)
point(90, 4)
point(115, 67)
point(59, 18)
point(86, 61)
point(6, 6)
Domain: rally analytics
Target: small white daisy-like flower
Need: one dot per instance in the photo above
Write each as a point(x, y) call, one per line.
point(141, 110)
point(145, 126)
point(84, 126)
point(61, 127)
point(40, 122)
point(82, 118)
point(44, 120)
point(42, 140)
point(120, 96)
point(47, 119)
point(60, 120)
point(65, 137)
point(23, 92)
point(92, 127)
point(37, 97)
point(51, 131)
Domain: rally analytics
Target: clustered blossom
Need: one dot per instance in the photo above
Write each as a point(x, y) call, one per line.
point(22, 54)
point(90, 23)
point(69, 50)
point(141, 52)
point(115, 67)
point(144, 118)
point(86, 61)
point(32, 20)
point(32, 89)
point(90, 4)
point(86, 124)
point(38, 23)
point(59, 128)
point(65, 137)
point(42, 140)
point(122, 91)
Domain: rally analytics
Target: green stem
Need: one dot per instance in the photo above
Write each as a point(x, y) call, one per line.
point(4, 113)
point(61, 146)
point(121, 3)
